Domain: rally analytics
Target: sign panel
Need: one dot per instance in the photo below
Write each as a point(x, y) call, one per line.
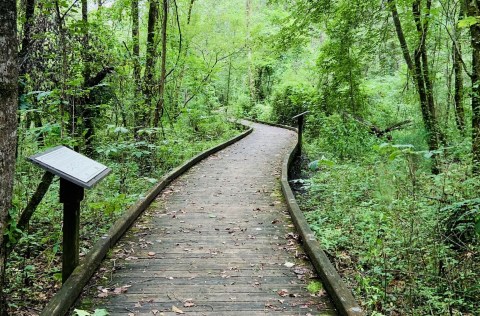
point(72, 166)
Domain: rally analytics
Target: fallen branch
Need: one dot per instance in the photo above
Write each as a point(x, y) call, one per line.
point(32, 205)
point(377, 131)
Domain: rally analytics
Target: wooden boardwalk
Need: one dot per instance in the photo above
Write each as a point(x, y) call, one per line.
point(217, 241)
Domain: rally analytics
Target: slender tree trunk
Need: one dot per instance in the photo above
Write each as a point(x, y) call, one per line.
point(150, 60)
point(474, 11)
point(24, 59)
point(23, 55)
point(70, 126)
point(163, 72)
point(136, 44)
point(136, 66)
point(8, 126)
point(458, 94)
point(419, 67)
point(229, 78)
point(181, 73)
point(251, 76)
point(87, 113)
point(190, 7)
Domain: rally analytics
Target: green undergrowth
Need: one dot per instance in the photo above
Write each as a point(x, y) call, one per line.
point(406, 241)
point(34, 269)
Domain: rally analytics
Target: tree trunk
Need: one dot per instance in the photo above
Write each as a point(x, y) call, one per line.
point(229, 78)
point(8, 126)
point(23, 55)
point(87, 113)
point(150, 61)
point(136, 63)
point(190, 7)
point(473, 11)
point(420, 71)
point(458, 94)
point(251, 77)
point(136, 43)
point(163, 72)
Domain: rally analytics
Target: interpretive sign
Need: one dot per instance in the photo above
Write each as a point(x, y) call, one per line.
point(71, 166)
point(76, 173)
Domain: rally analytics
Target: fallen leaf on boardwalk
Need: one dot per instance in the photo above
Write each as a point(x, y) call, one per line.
point(321, 293)
point(177, 310)
point(212, 215)
point(155, 311)
point(301, 270)
point(282, 293)
point(138, 304)
point(103, 295)
point(131, 314)
point(120, 290)
point(188, 303)
point(289, 264)
point(151, 253)
point(291, 235)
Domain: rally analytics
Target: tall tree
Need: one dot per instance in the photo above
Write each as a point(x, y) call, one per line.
point(419, 67)
point(251, 76)
point(473, 11)
point(150, 61)
point(163, 70)
point(458, 75)
point(136, 45)
point(8, 125)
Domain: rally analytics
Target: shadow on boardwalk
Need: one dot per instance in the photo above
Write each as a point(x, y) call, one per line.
point(217, 241)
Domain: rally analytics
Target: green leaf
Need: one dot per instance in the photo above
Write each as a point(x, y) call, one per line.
point(43, 94)
point(393, 155)
point(100, 312)
point(315, 165)
point(121, 130)
point(80, 312)
point(57, 276)
point(467, 22)
point(477, 226)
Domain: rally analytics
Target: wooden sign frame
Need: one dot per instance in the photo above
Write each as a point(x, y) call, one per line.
point(65, 163)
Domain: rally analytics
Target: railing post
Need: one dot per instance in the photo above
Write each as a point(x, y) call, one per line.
point(300, 123)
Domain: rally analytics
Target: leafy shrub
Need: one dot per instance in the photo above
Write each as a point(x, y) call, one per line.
point(289, 101)
point(337, 135)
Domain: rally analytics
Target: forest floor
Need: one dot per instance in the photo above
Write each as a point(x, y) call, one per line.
point(217, 241)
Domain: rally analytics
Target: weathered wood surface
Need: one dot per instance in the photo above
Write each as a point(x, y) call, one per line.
point(61, 302)
point(215, 242)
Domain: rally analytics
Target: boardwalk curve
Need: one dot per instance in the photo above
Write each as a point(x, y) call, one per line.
point(217, 241)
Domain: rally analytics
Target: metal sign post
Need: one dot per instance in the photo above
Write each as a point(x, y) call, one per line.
point(76, 173)
point(300, 123)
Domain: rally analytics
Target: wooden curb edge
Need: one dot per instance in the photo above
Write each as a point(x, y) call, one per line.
point(62, 301)
point(341, 296)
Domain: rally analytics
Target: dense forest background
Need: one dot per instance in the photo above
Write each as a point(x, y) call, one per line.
point(390, 182)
